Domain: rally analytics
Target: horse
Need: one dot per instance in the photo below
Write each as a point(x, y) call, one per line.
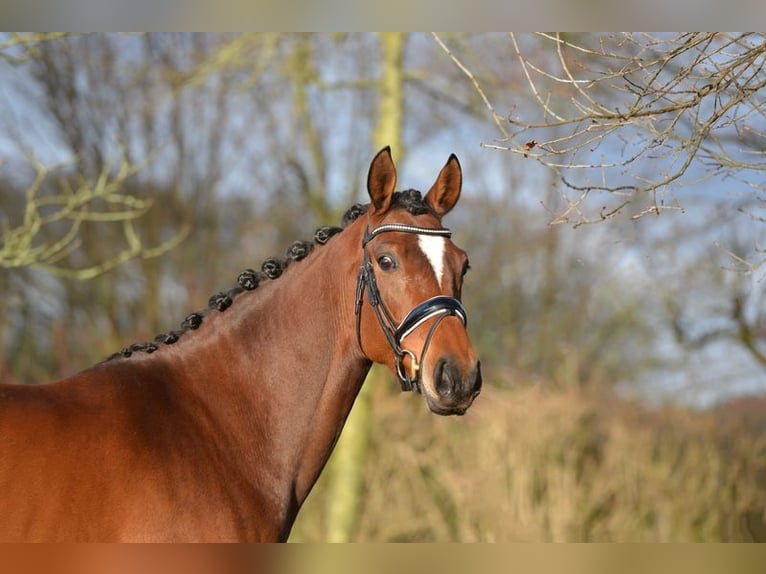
point(217, 431)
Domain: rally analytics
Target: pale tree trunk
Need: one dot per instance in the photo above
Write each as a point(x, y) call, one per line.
point(347, 465)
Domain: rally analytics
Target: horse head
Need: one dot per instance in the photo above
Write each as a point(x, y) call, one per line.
point(408, 309)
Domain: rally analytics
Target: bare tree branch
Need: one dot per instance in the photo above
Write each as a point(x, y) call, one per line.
point(635, 116)
point(498, 119)
point(49, 231)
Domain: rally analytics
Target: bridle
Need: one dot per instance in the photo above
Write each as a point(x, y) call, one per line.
point(440, 306)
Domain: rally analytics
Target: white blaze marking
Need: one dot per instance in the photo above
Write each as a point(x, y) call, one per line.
point(433, 247)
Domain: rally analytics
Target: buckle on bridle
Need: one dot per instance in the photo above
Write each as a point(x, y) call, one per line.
point(407, 383)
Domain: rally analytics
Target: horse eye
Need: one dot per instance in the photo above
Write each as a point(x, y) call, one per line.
point(466, 267)
point(386, 263)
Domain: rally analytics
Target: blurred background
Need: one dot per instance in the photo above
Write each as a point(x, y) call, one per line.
point(613, 207)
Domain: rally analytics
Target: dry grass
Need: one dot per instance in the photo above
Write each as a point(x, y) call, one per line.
point(531, 466)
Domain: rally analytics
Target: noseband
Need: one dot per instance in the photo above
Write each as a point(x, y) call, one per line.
point(440, 307)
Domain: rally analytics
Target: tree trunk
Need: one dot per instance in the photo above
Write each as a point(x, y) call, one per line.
point(348, 462)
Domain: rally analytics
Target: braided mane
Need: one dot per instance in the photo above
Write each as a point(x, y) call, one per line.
point(410, 200)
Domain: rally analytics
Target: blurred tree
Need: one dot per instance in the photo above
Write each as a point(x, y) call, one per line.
point(709, 305)
point(52, 223)
point(348, 464)
point(142, 120)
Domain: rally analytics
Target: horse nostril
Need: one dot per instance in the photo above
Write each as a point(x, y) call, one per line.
point(451, 382)
point(476, 379)
point(444, 384)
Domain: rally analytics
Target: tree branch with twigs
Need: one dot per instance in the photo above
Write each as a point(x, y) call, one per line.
point(632, 125)
point(54, 215)
point(631, 117)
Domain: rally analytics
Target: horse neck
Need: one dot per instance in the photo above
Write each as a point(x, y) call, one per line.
point(284, 358)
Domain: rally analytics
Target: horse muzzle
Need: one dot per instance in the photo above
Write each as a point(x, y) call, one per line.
point(453, 390)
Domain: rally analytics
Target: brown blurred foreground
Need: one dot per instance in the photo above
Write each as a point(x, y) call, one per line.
point(532, 466)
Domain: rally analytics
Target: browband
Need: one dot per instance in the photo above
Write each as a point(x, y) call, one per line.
point(403, 228)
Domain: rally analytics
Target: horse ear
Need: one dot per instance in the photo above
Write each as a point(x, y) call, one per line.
point(381, 180)
point(445, 191)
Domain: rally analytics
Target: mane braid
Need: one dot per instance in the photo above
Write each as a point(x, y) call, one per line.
point(410, 200)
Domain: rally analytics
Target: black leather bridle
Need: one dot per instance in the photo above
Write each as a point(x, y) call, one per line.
point(440, 306)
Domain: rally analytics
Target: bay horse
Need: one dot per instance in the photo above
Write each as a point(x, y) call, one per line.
point(217, 431)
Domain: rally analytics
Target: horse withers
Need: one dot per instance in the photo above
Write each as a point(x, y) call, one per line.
point(218, 430)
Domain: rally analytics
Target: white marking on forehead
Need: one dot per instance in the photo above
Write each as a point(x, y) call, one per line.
point(433, 247)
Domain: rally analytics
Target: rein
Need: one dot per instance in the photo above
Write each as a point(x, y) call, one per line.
point(440, 307)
